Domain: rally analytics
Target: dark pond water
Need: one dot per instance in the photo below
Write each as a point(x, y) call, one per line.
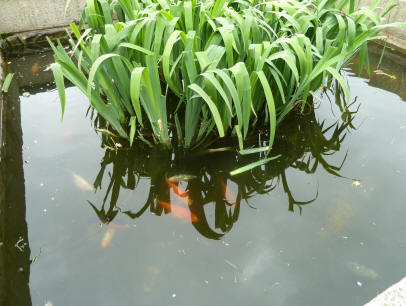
point(323, 225)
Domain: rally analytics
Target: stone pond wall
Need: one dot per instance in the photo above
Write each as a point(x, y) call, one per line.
point(396, 36)
point(32, 15)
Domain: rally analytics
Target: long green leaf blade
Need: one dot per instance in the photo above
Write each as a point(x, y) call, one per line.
point(252, 165)
point(58, 75)
point(7, 82)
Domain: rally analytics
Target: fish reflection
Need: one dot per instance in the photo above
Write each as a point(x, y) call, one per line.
point(197, 186)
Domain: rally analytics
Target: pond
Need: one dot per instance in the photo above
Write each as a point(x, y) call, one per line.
point(322, 225)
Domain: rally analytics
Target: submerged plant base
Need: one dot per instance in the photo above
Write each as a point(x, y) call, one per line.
point(184, 72)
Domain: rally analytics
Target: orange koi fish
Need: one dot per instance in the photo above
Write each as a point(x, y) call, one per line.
point(179, 212)
point(227, 193)
point(176, 189)
point(108, 236)
point(34, 68)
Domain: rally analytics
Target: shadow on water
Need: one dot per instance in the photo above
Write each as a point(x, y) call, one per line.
point(183, 184)
point(15, 251)
point(14, 248)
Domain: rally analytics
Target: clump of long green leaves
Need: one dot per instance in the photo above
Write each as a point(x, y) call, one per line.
point(229, 64)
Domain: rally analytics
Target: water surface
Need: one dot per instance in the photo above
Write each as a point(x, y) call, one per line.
point(323, 225)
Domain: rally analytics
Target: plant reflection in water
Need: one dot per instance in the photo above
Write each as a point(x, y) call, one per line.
point(200, 178)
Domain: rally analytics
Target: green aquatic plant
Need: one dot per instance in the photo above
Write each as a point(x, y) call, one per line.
point(176, 72)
